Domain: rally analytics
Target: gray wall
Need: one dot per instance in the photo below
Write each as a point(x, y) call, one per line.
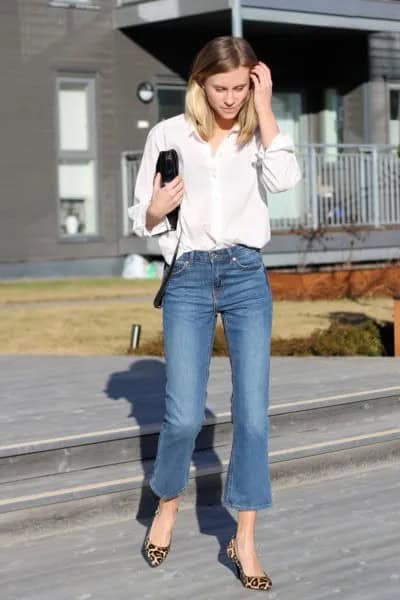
point(384, 52)
point(38, 41)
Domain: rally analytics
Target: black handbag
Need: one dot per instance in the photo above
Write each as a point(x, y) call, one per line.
point(168, 166)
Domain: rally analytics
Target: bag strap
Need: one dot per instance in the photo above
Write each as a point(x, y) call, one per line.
point(177, 245)
point(157, 302)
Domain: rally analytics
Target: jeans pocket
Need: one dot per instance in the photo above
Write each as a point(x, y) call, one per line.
point(248, 260)
point(180, 266)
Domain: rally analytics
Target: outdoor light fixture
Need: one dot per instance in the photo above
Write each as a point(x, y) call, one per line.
point(145, 92)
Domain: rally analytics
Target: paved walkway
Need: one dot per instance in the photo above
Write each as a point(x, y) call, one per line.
point(338, 538)
point(321, 539)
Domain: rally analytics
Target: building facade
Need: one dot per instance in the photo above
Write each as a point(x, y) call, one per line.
point(73, 123)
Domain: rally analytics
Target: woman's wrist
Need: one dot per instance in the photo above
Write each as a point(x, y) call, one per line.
point(268, 125)
point(152, 219)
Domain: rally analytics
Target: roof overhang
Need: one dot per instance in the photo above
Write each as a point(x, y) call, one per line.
point(131, 13)
point(362, 15)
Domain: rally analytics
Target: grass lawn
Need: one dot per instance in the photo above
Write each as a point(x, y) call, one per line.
point(103, 327)
point(74, 289)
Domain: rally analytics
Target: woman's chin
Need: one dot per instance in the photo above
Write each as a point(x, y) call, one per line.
point(228, 114)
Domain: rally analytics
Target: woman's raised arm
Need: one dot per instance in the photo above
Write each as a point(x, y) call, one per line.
point(280, 169)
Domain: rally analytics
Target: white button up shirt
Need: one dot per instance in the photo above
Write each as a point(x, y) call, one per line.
point(225, 194)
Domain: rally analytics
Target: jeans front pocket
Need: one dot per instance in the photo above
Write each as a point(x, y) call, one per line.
point(180, 266)
point(248, 259)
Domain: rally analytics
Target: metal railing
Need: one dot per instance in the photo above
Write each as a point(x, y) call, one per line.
point(343, 185)
point(350, 184)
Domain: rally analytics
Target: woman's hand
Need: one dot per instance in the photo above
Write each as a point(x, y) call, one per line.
point(165, 199)
point(262, 83)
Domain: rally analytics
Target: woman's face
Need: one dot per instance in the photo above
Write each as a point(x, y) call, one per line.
point(227, 92)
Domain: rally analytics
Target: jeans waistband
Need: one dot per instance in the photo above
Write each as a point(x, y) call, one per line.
point(219, 253)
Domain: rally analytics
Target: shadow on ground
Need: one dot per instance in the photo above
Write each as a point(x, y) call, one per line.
point(142, 385)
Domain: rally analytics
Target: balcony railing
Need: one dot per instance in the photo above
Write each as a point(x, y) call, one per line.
point(343, 186)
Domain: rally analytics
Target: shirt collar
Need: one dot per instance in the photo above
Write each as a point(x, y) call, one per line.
point(192, 128)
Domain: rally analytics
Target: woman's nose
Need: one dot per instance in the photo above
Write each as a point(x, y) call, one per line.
point(229, 99)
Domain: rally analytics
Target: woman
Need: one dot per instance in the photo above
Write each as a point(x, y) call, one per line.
point(232, 153)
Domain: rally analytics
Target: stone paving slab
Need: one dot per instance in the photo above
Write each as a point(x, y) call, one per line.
point(42, 397)
point(338, 537)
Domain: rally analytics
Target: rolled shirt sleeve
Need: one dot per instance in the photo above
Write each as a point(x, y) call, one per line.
point(280, 169)
point(144, 188)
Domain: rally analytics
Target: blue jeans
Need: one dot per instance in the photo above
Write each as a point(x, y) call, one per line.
point(234, 282)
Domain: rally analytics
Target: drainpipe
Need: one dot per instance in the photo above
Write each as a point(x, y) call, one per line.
point(237, 26)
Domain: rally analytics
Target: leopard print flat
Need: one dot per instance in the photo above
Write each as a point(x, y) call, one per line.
point(253, 582)
point(155, 554)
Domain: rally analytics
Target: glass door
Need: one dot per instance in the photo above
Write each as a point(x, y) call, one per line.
point(286, 208)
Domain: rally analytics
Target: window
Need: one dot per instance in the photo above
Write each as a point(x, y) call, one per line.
point(77, 156)
point(171, 100)
point(287, 207)
point(394, 114)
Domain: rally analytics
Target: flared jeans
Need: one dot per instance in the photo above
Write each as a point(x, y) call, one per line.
point(231, 281)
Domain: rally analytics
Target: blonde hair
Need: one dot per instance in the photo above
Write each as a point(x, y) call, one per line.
point(220, 55)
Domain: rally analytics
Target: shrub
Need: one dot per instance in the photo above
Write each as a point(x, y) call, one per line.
point(338, 340)
point(155, 346)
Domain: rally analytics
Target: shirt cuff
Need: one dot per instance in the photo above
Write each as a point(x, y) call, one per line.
point(138, 215)
point(282, 141)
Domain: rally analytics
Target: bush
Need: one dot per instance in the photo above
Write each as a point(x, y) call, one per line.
point(338, 340)
point(155, 346)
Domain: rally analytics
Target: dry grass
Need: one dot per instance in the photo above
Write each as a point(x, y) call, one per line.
point(301, 318)
point(73, 289)
point(104, 327)
point(90, 329)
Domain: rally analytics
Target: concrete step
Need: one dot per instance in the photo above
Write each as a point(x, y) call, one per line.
point(296, 419)
point(68, 457)
point(122, 488)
